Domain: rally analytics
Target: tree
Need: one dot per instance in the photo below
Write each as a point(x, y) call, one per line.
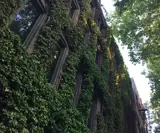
point(157, 129)
point(137, 25)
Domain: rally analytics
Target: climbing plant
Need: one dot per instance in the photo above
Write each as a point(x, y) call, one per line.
point(30, 104)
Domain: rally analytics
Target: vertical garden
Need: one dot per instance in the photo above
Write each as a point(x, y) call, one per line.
point(29, 103)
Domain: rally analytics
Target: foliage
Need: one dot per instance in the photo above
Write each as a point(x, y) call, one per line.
point(30, 104)
point(138, 28)
point(157, 129)
point(101, 123)
point(6, 9)
point(154, 76)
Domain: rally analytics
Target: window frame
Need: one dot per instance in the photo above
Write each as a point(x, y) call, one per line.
point(79, 81)
point(33, 34)
point(95, 3)
point(31, 37)
point(76, 11)
point(99, 54)
point(57, 72)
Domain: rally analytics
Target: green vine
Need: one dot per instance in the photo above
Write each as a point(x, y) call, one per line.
point(30, 104)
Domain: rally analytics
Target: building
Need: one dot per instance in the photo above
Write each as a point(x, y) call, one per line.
point(61, 70)
point(139, 111)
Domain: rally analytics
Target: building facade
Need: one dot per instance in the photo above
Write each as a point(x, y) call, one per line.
point(139, 111)
point(61, 70)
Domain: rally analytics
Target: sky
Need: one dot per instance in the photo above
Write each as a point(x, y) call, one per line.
point(134, 70)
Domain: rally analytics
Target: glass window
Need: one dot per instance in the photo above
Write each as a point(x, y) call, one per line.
point(74, 6)
point(59, 57)
point(55, 59)
point(72, 9)
point(23, 20)
point(79, 80)
point(98, 1)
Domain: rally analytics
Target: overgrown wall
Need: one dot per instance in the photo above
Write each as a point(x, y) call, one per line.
point(29, 104)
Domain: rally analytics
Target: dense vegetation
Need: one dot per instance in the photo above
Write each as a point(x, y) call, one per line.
point(30, 104)
point(136, 24)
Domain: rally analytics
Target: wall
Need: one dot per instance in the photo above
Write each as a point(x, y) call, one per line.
point(138, 109)
point(39, 91)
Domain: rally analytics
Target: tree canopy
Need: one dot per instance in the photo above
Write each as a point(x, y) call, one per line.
point(136, 23)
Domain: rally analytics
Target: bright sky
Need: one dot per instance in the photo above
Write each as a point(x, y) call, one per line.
point(134, 71)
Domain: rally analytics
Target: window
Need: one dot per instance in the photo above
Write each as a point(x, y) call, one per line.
point(28, 20)
point(92, 119)
point(99, 23)
point(59, 60)
point(95, 109)
point(74, 5)
point(72, 8)
point(57, 51)
point(79, 80)
point(74, 11)
point(23, 20)
point(88, 33)
point(95, 3)
point(99, 56)
point(99, 1)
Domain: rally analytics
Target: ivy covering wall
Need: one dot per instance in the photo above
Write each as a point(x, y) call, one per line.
point(29, 104)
